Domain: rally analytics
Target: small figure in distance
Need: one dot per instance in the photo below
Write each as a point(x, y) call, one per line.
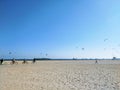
point(13, 62)
point(1, 61)
point(24, 62)
point(96, 61)
point(34, 60)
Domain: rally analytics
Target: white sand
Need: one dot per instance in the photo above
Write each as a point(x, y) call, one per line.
point(61, 75)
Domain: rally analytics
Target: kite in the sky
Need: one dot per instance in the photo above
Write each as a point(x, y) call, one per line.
point(83, 48)
point(105, 40)
point(10, 52)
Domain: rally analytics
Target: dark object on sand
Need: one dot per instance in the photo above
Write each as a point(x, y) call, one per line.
point(13, 62)
point(96, 62)
point(24, 62)
point(1, 61)
point(34, 60)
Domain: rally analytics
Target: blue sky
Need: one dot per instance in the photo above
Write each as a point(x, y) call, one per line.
point(59, 28)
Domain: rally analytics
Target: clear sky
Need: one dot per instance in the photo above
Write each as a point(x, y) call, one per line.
point(59, 28)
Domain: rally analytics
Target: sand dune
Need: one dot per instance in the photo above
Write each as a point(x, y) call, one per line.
point(61, 75)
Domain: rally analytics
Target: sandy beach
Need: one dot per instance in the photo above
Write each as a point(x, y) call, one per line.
point(61, 75)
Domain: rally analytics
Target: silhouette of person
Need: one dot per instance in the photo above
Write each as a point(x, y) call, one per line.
point(1, 61)
point(24, 61)
point(96, 61)
point(34, 60)
point(13, 61)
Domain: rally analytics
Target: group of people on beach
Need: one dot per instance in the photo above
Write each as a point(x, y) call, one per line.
point(13, 61)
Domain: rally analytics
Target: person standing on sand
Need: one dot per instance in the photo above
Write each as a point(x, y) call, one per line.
point(34, 60)
point(13, 60)
point(96, 61)
point(24, 62)
point(1, 61)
